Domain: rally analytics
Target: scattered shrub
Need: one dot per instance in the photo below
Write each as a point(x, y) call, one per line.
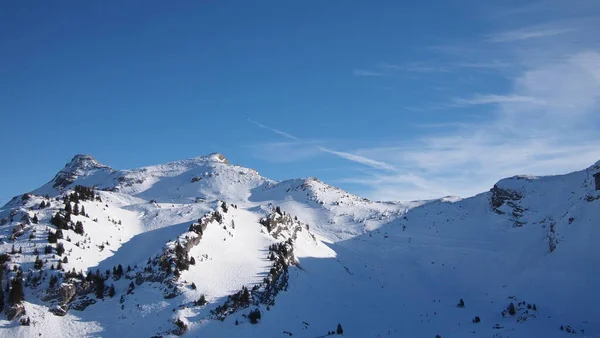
point(511, 309)
point(254, 316)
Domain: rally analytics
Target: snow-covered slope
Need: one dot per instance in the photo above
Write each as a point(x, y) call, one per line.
point(199, 247)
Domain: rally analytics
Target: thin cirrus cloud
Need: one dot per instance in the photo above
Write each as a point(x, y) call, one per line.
point(276, 131)
point(526, 34)
point(493, 99)
point(414, 67)
point(302, 146)
point(546, 121)
point(388, 69)
point(546, 124)
point(498, 65)
point(359, 159)
point(368, 73)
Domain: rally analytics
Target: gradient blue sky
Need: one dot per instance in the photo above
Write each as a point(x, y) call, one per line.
point(387, 99)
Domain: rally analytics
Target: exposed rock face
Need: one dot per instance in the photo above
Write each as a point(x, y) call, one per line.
point(219, 157)
point(282, 226)
point(171, 259)
point(79, 165)
point(18, 231)
point(13, 311)
point(67, 292)
point(80, 305)
point(50, 294)
point(59, 310)
point(501, 196)
point(85, 288)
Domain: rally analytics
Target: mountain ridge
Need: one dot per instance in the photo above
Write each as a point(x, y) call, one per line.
point(291, 249)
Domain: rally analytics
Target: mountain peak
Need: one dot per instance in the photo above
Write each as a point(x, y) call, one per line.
point(84, 161)
point(218, 157)
point(80, 165)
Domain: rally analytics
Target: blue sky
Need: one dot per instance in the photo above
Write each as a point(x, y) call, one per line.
point(387, 99)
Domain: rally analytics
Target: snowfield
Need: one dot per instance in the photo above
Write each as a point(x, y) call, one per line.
point(202, 243)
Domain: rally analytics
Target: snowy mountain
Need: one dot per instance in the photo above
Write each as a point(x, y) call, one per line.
point(202, 247)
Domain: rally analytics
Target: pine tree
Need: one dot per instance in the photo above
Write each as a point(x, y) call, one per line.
point(16, 294)
point(51, 237)
point(59, 265)
point(511, 309)
point(38, 263)
point(12, 250)
point(60, 249)
point(339, 329)
point(111, 291)
point(99, 286)
point(35, 219)
point(20, 250)
point(53, 281)
point(76, 209)
point(461, 303)
point(254, 316)
point(82, 212)
point(79, 228)
point(68, 209)
point(245, 295)
point(42, 205)
point(192, 261)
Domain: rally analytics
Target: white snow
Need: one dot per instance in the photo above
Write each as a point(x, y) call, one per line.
point(381, 269)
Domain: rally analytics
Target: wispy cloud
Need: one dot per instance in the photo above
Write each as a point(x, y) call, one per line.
point(285, 151)
point(388, 69)
point(416, 67)
point(546, 124)
point(360, 159)
point(276, 131)
point(368, 73)
point(545, 121)
point(303, 147)
point(494, 99)
point(527, 33)
point(483, 65)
